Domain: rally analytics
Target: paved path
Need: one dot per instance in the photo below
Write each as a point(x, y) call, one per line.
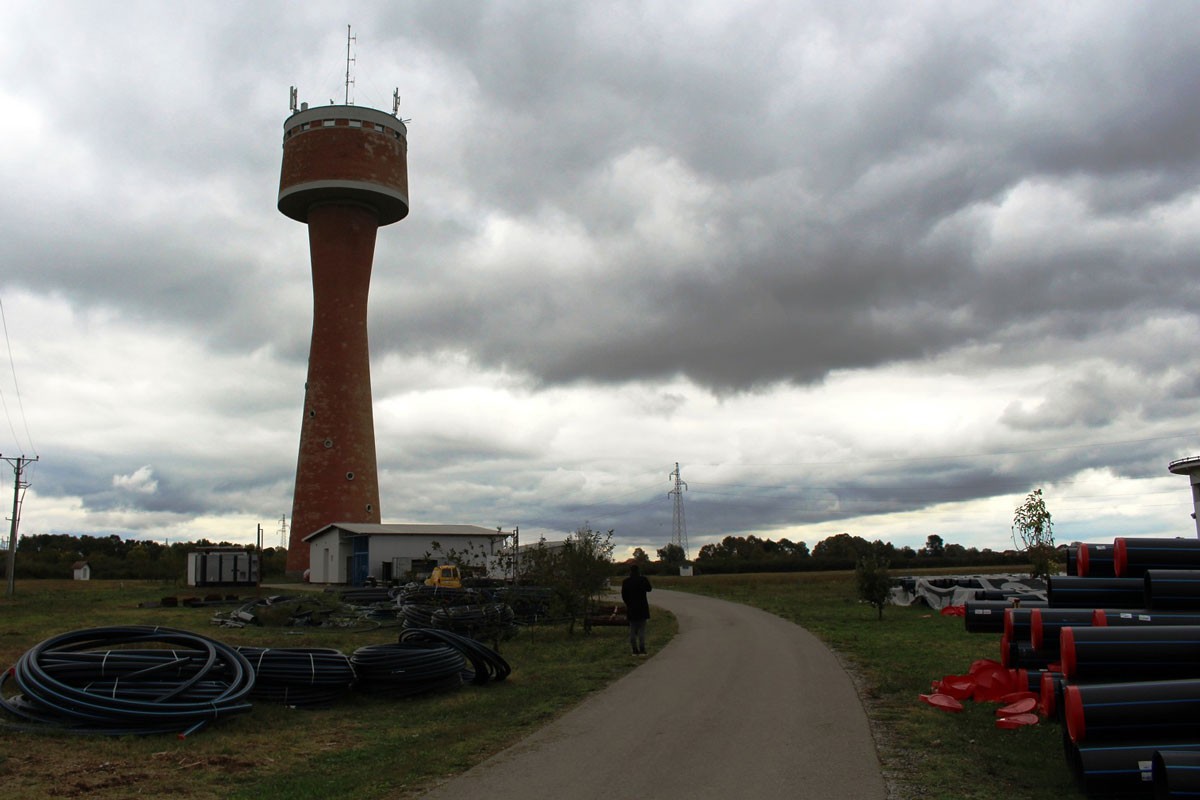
point(740, 704)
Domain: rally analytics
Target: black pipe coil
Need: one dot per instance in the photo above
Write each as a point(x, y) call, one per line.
point(436, 595)
point(92, 681)
point(471, 619)
point(406, 669)
point(299, 676)
point(486, 664)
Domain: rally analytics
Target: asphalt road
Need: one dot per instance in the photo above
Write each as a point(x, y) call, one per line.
point(741, 703)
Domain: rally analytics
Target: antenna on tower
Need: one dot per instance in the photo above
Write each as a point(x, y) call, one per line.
point(679, 534)
point(396, 105)
point(292, 99)
point(349, 61)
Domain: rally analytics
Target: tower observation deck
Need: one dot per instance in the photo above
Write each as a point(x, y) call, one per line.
point(344, 174)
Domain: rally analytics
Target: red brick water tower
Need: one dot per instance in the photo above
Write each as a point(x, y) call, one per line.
point(345, 173)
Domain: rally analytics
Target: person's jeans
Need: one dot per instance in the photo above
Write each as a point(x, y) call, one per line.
point(637, 635)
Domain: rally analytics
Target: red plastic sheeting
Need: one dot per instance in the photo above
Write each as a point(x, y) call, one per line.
point(1017, 721)
point(954, 611)
point(959, 687)
point(989, 681)
point(1024, 705)
point(943, 701)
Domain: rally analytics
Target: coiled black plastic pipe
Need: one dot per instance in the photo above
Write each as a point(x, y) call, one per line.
point(486, 664)
point(409, 668)
point(128, 680)
point(299, 676)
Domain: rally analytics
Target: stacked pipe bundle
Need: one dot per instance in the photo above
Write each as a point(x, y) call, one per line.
point(1114, 731)
point(126, 680)
point(1068, 591)
point(417, 602)
point(1130, 695)
point(988, 616)
point(1133, 557)
point(408, 668)
point(299, 676)
point(1116, 653)
point(466, 611)
point(1094, 561)
point(1176, 773)
point(366, 595)
point(530, 604)
point(1149, 652)
point(491, 619)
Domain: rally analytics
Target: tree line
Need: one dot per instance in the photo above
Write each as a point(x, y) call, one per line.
point(843, 551)
point(52, 555)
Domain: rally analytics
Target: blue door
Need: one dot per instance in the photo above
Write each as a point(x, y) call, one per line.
point(360, 567)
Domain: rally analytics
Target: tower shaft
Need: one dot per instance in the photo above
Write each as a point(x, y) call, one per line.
point(336, 474)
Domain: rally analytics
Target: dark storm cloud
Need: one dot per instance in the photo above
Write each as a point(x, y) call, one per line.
point(837, 239)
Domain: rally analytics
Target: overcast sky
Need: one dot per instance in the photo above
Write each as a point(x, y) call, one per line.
point(880, 268)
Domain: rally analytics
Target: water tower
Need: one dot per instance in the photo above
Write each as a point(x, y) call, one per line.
point(344, 174)
point(1191, 467)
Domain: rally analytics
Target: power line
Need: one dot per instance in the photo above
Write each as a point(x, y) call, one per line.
point(16, 389)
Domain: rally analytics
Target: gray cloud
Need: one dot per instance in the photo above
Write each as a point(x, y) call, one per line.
point(671, 206)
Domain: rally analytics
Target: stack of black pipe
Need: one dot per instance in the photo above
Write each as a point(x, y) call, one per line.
point(1116, 651)
point(408, 668)
point(299, 676)
point(1129, 694)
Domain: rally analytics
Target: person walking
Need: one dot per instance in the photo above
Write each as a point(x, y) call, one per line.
point(637, 608)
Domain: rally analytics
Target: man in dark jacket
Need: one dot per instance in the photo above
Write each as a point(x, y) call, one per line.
point(637, 608)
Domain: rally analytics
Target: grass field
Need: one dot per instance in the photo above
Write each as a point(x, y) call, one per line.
point(362, 748)
point(926, 753)
point(372, 747)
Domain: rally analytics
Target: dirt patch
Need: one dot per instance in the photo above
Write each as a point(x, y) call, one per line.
point(89, 779)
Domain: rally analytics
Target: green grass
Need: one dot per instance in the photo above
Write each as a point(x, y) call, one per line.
point(926, 753)
point(364, 747)
point(372, 747)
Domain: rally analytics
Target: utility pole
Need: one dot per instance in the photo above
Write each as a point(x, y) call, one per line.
point(679, 532)
point(19, 487)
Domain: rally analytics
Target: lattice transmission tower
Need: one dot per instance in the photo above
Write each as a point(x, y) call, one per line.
point(679, 526)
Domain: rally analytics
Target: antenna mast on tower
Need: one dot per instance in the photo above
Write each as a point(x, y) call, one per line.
point(679, 534)
point(349, 61)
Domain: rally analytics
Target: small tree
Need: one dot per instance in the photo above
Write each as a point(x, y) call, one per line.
point(934, 546)
point(672, 555)
point(1033, 533)
point(576, 573)
point(874, 582)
